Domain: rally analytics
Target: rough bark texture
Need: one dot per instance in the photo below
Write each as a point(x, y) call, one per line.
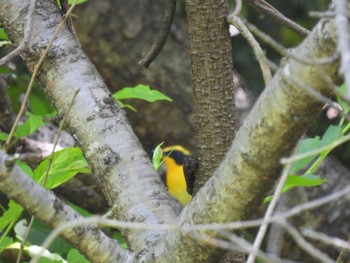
point(124, 170)
point(251, 166)
point(213, 91)
point(115, 34)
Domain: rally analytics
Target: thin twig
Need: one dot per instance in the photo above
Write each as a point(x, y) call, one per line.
point(321, 14)
point(269, 10)
point(319, 96)
point(259, 53)
point(238, 7)
point(27, 33)
point(25, 238)
point(286, 52)
point(186, 228)
point(35, 72)
point(341, 21)
point(263, 228)
point(162, 36)
point(305, 245)
point(329, 241)
point(57, 137)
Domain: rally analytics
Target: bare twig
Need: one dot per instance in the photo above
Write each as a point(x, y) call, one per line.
point(25, 238)
point(305, 245)
point(341, 20)
point(35, 72)
point(330, 241)
point(263, 228)
point(162, 36)
point(27, 32)
point(60, 128)
point(284, 51)
point(238, 7)
point(323, 14)
point(259, 53)
point(269, 10)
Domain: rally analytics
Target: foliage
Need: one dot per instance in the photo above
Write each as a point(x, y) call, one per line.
point(141, 92)
point(312, 162)
point(157, 156)
point(65, 164)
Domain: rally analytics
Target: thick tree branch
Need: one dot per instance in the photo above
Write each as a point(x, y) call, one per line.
point(124, 170)
point(272, 129)
point(43, 204)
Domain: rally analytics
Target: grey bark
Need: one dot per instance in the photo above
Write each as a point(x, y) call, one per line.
point(123, 169)
point(251, 167)
point(238, 186)
point(43, 204)
point(116, 34)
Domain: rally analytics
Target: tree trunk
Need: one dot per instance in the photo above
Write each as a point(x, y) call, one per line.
point(213, 91)
point(116, 34)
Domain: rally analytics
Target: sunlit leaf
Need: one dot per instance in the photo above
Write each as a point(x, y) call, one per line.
point(302, 181)
point(140, 92)
point(305, 146)
point(5, 242)
point(74, 256)
point(3, 34)
point(66, 164)
point(331, 134)
point(157, 156)
point(343, 104)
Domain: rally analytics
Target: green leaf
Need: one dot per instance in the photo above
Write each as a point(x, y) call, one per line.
point(332, 133)
point(343, 104)
point(70, 2)
point(11, 215)
point(123, 105)
point(32, 123)
point(78, 3)
point(140, 92)
point(3, 136)
point(305, 146)
point(121, 241)
point(5, 242)
point(26, 168)
point(302, 181)
point(157, 156)
point(5, 42)
point(79, 209)
point(3, 34)
point(306, 180)
point(39, 104)
point(65, 165)
point(74, 256)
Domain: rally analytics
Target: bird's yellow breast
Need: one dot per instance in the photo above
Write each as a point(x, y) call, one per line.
point(175, 180)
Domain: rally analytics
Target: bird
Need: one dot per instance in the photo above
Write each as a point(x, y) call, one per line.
point(180, 167)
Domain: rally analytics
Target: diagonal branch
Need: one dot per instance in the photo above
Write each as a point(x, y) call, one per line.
point(43, 204)
point(124, 170)
point(272, 129)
